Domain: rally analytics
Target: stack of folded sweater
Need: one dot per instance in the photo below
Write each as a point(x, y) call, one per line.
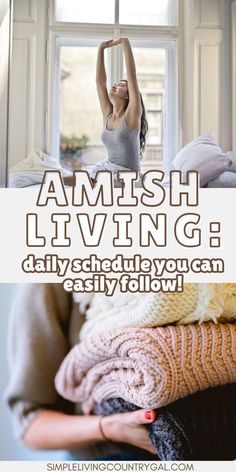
point(131, 355)
point(201, 426)
point(197, 303)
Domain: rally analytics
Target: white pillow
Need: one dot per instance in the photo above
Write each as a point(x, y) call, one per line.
point(203, 155)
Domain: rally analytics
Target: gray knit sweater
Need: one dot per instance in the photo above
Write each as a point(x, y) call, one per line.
point(44, 325)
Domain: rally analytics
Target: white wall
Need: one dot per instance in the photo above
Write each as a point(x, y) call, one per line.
point(5, 46)
point(204, 74)
point(27, 91)
point(208, 70)
point(233, 56)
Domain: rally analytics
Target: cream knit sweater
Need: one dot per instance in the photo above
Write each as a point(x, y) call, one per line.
point(198, 302)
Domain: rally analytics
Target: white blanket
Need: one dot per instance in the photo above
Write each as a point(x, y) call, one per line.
point(30, 171)
point(225, 180)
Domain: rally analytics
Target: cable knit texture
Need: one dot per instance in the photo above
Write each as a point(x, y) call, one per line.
point(198, 302)
point(199, 427)
point(149, 367)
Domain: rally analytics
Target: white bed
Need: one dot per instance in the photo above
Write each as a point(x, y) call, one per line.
point(30, 171)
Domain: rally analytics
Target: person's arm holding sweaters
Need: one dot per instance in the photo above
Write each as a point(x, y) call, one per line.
point(39, 334)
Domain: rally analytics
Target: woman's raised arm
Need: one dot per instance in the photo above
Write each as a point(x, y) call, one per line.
point(101, 79)
point(134, 109)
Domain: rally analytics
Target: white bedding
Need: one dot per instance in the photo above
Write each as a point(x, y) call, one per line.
point(225, 180)
point(228, 178)
point(30, 171)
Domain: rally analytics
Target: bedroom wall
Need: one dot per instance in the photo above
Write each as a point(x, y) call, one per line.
point(27, 91)
point(207, 105)
point(233, 56)
point(205, 73)
point(5, 48)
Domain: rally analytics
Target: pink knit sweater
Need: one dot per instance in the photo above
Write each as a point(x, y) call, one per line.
point(150, 367)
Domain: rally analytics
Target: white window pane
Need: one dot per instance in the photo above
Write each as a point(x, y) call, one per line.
point(154, 102)
point(85, 11)
point(150, 12)
point(80, 115)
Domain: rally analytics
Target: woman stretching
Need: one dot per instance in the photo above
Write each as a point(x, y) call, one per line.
point(125, 124)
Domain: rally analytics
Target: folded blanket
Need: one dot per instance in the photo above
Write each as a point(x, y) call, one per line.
point(198, 302)
point(149, 367)
point(201, 426)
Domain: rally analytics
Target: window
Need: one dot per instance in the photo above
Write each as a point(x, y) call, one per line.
point(151, 74)
point(131, 12)
point(80, 115)
point(75, 133)
point(150, 12)
point(89, 11)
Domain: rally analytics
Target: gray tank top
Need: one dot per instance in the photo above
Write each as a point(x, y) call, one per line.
point(123, 145)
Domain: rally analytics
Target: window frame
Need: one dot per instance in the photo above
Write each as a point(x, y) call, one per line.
point(115, 24)
point(60, 33)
